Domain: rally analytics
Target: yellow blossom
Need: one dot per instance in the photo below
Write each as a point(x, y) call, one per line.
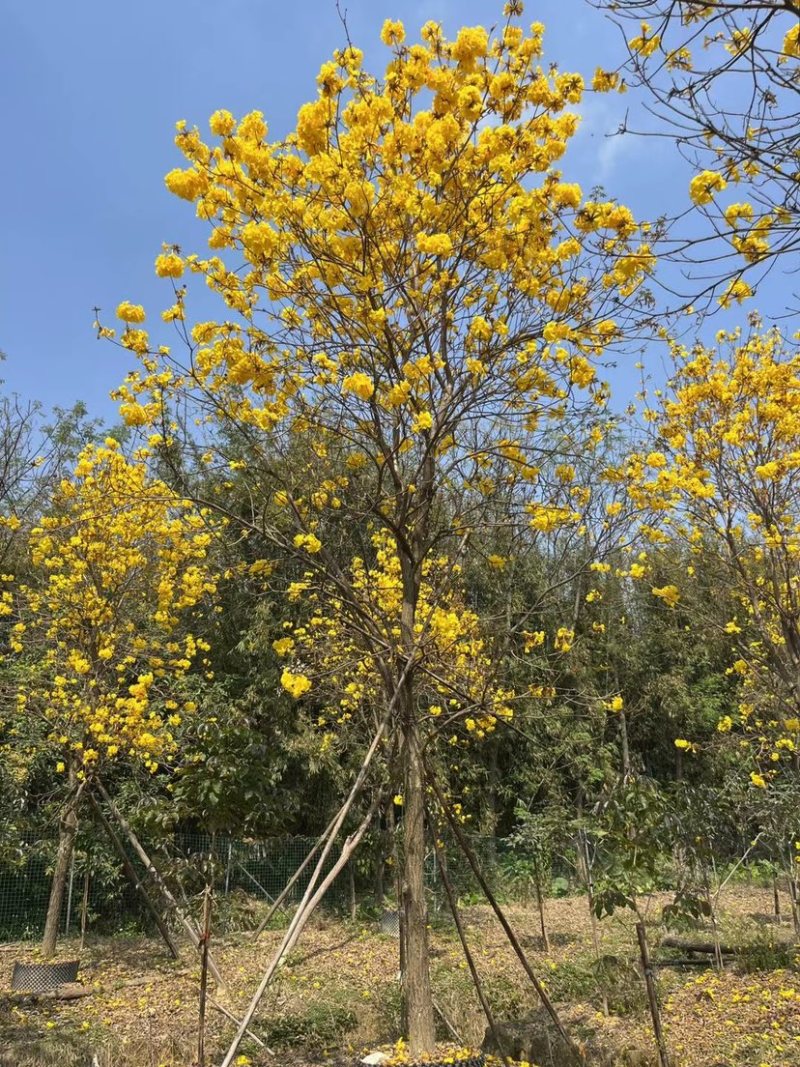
point(704, 185)
point(129, 312)
point(359, 384)
point(308, 541)
point(295, 684)
point(670, 594)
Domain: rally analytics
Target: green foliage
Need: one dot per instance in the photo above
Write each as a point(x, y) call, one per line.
point(768, 951)
point(631, 826)
point(585, 978)
point(322, 1022)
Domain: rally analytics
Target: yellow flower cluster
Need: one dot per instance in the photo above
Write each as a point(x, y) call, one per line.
point(727, 476)
point(448, 636)
point(353, 218)
point(646, 43)
point(117, 564)
point(704, 185)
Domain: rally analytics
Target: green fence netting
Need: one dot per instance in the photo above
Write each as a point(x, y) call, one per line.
point(247, 876)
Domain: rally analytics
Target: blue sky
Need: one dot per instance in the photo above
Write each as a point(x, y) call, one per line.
point(98, 87)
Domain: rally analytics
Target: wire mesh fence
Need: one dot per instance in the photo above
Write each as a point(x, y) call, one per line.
point(247, 876)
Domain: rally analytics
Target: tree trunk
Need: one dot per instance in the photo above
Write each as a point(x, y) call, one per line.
point(416, 977)
point(68, 827)
point(626, 752)
point(206, 937)
point(652, 997)
point(380, 864)
point(537, 881)
point(586, 865)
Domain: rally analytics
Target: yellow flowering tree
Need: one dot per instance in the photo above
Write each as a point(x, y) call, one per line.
point(721, 79)
point(455, 693)
point(115, 566)
point(415, 301)
point(724, 474)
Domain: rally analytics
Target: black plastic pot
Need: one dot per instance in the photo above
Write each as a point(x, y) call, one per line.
point(43, 977)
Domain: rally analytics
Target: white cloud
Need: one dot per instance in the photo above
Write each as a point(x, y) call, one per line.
point(598, 147)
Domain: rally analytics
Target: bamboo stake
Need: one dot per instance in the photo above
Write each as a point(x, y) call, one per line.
point(587, 867)
point(310, 899)
point(448, 1024)
point(229, 1015)
point(254, 880)
point(540, 905)
point(290, 884)
point(293, 880)
point(304, 912)
point(512, 937)
point(473, 970)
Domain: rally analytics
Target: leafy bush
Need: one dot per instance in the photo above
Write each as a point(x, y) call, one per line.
point(765, 952)
point(587, 979)
point(322, 1023)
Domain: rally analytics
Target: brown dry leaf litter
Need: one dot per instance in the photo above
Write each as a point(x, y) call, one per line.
point(338, 993)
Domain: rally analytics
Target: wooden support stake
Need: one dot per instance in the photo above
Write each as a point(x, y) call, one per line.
point(229, 1015)
point(304, 912)
point(473, 970)
point(292, 881)
point(206, 937)
point(540, 904)
point(586, 864)
point(652, 999)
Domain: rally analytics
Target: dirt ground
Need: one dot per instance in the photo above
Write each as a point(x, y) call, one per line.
point(338, 993)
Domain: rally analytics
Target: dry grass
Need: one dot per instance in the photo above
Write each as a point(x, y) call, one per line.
point(339, 993)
